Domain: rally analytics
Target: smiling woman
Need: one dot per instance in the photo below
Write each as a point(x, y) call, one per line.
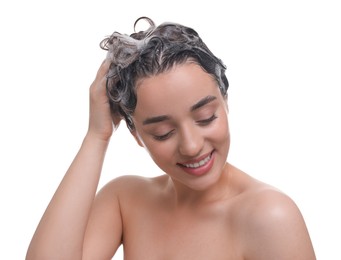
point(172, 92)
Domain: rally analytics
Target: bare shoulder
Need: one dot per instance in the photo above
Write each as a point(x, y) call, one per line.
point(269, 207)
point(272, 226)
point(105, 230)
point(265, 202)
point(132, 186)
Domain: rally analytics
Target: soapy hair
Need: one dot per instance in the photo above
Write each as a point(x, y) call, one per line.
point(149, 53)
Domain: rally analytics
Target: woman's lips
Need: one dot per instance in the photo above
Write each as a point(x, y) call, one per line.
point(199, 166)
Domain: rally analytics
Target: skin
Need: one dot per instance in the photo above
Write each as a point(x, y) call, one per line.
point(214, 212)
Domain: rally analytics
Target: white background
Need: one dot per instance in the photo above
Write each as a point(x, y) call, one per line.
point(283, 60)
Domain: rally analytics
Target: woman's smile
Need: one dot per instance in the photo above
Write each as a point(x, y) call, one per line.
point(199, 166)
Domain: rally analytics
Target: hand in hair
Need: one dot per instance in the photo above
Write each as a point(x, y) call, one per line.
point(102, 121)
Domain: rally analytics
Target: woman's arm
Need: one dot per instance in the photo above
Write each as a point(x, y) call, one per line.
point(60, 233)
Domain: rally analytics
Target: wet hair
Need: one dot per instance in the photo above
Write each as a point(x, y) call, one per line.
point(149, 53)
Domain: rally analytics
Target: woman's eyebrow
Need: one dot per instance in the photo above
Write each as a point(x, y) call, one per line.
point(156, 119)
point(203, 102)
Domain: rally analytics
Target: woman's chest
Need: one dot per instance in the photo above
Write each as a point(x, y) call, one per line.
point(156, 234)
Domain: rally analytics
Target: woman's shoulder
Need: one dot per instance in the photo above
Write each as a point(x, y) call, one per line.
point(268, 216)
point(267, 203)
point(133, 185)
point(263, 201)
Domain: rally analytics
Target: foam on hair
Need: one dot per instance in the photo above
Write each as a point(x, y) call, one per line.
point(150, 52)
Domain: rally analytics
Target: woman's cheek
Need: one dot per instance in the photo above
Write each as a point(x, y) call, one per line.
point(161, 151)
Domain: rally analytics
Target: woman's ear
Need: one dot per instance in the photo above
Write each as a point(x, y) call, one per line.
point(137, 137)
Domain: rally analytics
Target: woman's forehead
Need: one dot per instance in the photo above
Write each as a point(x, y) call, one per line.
point(183, 85)
point(185, 74)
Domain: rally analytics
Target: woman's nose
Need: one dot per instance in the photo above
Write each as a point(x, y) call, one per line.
point(191, 141)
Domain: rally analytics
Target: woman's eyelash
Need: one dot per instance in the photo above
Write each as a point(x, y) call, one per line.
point(163, 137)
point(208, 120)
point(203, 122)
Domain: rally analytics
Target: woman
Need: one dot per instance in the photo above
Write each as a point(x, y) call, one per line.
point(172, 92)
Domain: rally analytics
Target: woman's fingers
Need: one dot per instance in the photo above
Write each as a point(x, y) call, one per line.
point(101, 122)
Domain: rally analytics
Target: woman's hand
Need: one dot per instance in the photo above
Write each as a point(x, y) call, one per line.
point(102, 122)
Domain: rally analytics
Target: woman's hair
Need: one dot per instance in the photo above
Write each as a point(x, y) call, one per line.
point(148, 53)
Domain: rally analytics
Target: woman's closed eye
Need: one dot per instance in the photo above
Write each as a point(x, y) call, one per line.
point(207, 121)
point(164, 136)
point(203, 122)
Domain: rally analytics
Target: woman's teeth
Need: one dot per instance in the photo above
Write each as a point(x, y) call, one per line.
point(198, 164)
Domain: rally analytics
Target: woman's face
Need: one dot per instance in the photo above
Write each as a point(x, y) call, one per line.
point(181, 119)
